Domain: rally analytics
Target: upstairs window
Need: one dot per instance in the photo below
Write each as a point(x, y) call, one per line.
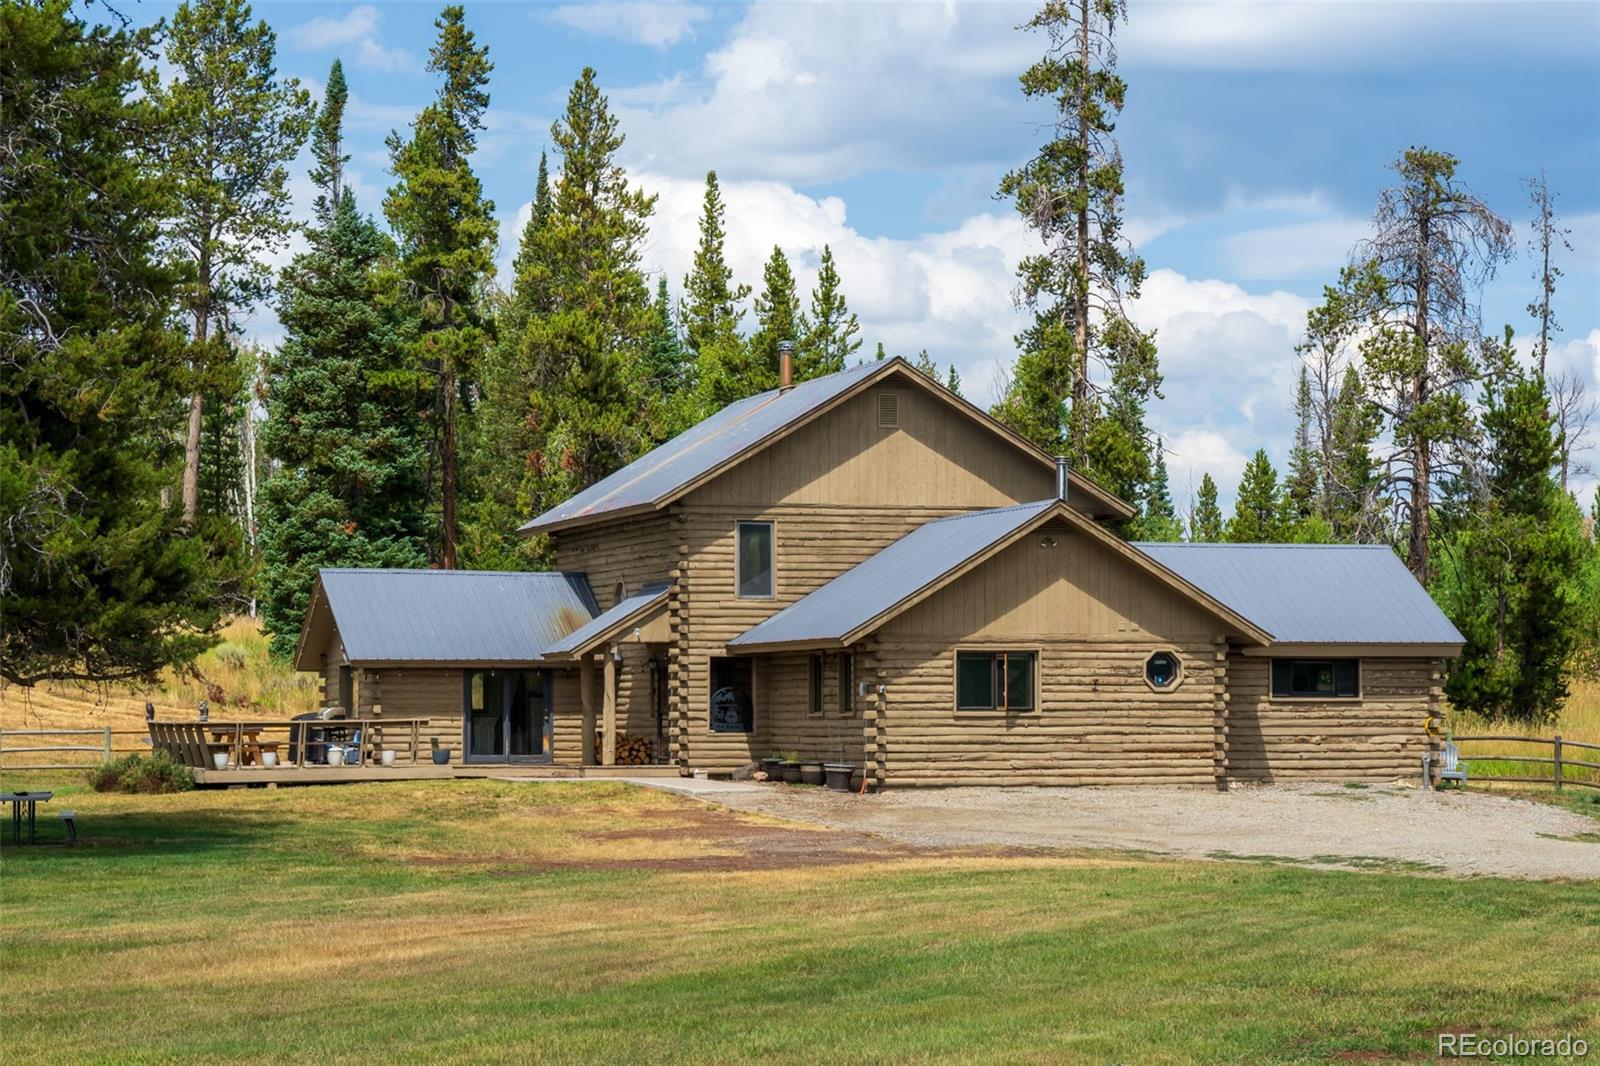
point(755, 559)
point(995, 680)
point(1316, 678)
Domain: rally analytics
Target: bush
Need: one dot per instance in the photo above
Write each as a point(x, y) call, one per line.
point(147, 774)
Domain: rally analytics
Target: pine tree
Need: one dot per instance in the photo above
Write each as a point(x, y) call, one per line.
point(926, 364)
point(103, 579)
point(538, 217)
point(233, 129)
point(1258, 509)
point(1301, 487)
point(1205, 523)
point(1548, 235)
point(711, 310)
point(1116, 446)
point(447, 238)
point(667, 370)
point(833, 334)
point(327, 145)
point(1350, 476)
point(1158, 520)
point(352, 487)
point(1511, 578)
point(1434, 244)
point(952, 380)
point(1070, 194)
point(778, 317)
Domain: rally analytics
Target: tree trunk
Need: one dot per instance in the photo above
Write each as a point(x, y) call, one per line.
point(1080, 324)
point(191, 448)
point(447, 475)
point(1422, 447)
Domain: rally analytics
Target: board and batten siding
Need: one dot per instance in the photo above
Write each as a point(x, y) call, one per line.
point(1379, 736)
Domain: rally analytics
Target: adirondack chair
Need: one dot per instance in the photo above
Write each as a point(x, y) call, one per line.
point(1450, 767)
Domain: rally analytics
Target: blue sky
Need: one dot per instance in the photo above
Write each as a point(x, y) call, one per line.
point(1256, 138)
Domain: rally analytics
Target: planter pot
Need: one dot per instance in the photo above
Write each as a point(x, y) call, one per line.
point(441, 757)
point(791, 772)
point(387, 758)
point(811, 773)
point(335, 755)
point(838, 774)
point(269, 758)
point(773, 768)
point(219, 759)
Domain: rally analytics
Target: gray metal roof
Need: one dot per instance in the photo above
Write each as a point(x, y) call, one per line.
point(697, 451)
point(586, 634)
point(454, 615)
point(863, 592)
point(1314, 593)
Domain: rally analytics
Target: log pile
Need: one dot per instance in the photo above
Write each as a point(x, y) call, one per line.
point(631, 751)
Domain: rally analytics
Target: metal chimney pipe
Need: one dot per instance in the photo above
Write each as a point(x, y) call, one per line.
point(785, 365)
point(1061, 477)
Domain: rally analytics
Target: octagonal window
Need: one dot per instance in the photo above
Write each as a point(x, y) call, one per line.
point(1162, 670)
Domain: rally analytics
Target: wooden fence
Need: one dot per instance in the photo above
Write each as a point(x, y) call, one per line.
point(299, 742)
point(1558, 760)
point(71, 744)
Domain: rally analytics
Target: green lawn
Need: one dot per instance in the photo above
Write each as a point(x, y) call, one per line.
point(483, 921)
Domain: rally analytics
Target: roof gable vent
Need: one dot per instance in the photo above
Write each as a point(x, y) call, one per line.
point(888, 409)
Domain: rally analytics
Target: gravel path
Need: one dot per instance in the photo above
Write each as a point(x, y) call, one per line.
point(1382, 827)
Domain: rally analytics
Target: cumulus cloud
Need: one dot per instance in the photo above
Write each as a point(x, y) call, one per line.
point(358, 26)
point(1316, 248)
point(656, 24)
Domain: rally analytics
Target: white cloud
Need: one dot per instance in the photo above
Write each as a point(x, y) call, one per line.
point(656, 24)
point(359, 26)
point(1312, 249)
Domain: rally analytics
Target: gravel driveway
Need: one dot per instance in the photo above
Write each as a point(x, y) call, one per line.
point(1381, 827)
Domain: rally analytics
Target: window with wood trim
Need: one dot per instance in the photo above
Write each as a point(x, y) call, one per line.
point(1316, 678)
point(996, 680)
point(754, 563)
point(815, 704)
point(847, 683)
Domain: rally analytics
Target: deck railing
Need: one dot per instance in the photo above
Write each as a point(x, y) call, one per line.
point(1559, 760)
point(306, 742)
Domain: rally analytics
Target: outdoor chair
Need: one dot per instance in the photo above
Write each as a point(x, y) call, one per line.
point(1450, 767)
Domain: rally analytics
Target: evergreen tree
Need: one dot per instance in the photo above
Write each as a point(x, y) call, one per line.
point(1205, 523)
point(1511, 578)
point(1070, 194)
point(952, 380)
point(1158, 520)
point(925, 364)
point(538, 217)
point(233, 129)
point(1258, 510)
point(1415, 284)
point(668, 372)
point(711, 311)
point(832, 334)
point(351, 488)
point(1302, 488)
point(447, 238)
point(572, 375)
point(1548, 235)
point(1116, 448)
point(100, 582)
point(327, 145)
point(1350, 475)
point(778, 316)
point(879, 355)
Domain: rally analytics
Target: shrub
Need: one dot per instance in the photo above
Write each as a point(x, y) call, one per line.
point(148, 774)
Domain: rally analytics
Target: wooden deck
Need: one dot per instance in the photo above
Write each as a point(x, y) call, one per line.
point(330, 775)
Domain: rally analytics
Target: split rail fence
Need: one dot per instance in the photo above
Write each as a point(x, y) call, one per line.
point(1563, 768)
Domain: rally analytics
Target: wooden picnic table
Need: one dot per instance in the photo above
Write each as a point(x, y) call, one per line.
point(17, 799)
point(249, 742)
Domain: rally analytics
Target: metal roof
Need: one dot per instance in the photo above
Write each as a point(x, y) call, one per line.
point(595, 629)
point(479, 616)
point(863, 592)
point(701, 449)
point(1314, 593)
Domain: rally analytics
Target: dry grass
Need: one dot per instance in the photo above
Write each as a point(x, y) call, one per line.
point(1579, 721)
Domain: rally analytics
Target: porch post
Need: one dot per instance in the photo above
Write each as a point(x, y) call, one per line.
point(586, 695)
point(608, 721)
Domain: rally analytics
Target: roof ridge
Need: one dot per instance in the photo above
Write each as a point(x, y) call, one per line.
point(989, 511)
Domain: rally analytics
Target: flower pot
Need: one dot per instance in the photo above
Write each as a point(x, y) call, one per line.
point(269, 758)
point(811, 773)
point(335, 755)
point(387, 758)
point(219, 759)
point(791, 772)
point(773, 768)
point(838, 775)
point(441, 756)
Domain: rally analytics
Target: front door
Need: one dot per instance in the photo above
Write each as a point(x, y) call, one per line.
point(507, 717)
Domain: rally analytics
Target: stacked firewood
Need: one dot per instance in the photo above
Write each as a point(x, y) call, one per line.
point(631, 751)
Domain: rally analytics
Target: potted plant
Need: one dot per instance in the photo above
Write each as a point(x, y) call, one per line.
point(811, 772)
point(772, 766)
point(791, 766)
point(441, 756)
point(838, 775)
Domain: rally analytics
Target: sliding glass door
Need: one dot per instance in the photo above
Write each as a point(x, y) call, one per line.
point(507, 716)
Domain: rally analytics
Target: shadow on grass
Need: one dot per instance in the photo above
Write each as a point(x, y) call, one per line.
point(143, 834)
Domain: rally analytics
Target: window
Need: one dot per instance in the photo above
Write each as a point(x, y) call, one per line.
point(847, 683)
point(815, 706)
point(1162, 671)
point(755, 559)
point(733, 705)
point(995, 681)
point(1313, 678)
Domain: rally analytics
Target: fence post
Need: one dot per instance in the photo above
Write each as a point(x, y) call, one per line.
point(1559, 775)
point(107, 744)
point(2, 747)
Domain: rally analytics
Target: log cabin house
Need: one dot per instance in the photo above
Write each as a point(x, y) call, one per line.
point(866, 568)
